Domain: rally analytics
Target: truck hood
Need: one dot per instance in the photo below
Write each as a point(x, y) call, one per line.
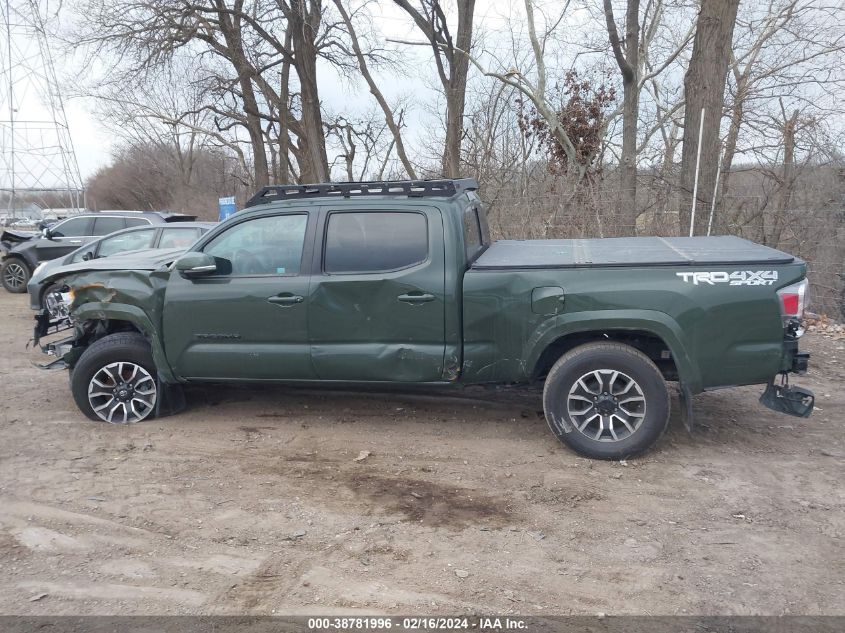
point(142, 260)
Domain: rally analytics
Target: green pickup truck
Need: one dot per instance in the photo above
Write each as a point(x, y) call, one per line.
point(398, 283)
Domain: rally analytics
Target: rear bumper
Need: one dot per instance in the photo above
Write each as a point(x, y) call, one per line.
point(784, 398)
point(793, 360)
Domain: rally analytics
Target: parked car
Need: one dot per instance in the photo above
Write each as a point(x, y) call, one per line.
point(398, 283)
point(180, 235)
point(26, 251)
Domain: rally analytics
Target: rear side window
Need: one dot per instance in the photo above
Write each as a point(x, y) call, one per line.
point(71, 228)
point(370, 242)
point(178, 238)
point(104, 226)
point(130, 222)
point(472, 232)
point(132, 241)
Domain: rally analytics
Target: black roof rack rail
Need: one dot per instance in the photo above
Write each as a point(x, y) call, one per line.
point(410, 188)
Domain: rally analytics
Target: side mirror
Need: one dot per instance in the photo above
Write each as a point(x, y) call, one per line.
point(193, 265)
point(46, 233)
point(88, 256)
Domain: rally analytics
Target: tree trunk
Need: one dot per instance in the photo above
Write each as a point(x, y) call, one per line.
point(629, 63)
point(456, 91)
point(722, 222)
point(704, 87)
point(231, 30)
point(787, 184)
point(303, 25)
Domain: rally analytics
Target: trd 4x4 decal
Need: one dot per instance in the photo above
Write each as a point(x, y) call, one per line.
point(736, 278)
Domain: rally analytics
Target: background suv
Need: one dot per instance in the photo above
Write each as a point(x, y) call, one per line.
point(67, 236)
point(160, 237)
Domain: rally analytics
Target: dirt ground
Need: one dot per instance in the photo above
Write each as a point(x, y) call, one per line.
point(252, 501)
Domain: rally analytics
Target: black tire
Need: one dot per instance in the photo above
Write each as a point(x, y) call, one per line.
point(114, 354)
point(15, 274)
point(641, 410)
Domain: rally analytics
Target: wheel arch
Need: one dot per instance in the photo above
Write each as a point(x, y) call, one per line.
point(21, 255)
point(649, 332)
point(101, 319)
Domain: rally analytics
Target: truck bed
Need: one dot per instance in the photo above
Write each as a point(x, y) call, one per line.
point(627, 251)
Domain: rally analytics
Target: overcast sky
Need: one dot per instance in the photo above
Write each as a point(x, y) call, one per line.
point(496, 23)
point(94, 142)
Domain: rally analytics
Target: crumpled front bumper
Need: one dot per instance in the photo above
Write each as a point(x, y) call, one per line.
point(61, 349)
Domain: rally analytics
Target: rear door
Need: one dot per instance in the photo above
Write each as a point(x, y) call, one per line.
point(376, 307)
point(108, 224)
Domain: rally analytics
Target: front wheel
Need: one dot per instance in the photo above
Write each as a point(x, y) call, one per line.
point(115, 379)
point(606, 401)
point(15, 274)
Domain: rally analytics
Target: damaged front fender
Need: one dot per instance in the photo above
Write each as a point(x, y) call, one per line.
point(102, 302)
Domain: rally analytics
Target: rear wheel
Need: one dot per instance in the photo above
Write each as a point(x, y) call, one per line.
point(15, 274)
point(115, 380)
point(606, 401)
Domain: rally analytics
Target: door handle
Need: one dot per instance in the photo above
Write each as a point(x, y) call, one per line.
point(416, 297)
point(76, 241)
point(286, 299)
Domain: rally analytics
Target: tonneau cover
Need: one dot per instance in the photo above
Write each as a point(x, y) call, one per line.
point(627, 251)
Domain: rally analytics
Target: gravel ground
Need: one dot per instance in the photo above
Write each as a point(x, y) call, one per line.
point(253, 501)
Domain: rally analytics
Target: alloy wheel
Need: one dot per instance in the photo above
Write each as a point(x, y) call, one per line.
point(122, 393)
point(14, 275)
point(606, 405)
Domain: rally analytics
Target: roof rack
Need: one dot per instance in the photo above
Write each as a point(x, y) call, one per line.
point(410, 188)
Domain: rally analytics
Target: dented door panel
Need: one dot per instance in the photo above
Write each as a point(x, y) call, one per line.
point(381, 326)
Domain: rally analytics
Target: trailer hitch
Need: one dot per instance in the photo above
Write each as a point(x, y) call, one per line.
point(782, 398)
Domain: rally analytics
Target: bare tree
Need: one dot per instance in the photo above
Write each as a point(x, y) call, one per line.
point(704, 90)
point(452, 66)
point(784, 49)
point(533, 85)
point(627, 56)
point(389, 116)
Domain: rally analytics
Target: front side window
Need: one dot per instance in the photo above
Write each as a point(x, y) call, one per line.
point(71, 228)
point(178, 238)
point(109, 224)
point(370, 242)
point(263, 246)
point(126, 242)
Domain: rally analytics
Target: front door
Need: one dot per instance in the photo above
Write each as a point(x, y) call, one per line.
point(65, 238)
point(376, 308)
point(249, 320)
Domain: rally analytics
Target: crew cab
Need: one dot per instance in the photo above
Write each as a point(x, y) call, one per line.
point(398, 284)
point(24, 252)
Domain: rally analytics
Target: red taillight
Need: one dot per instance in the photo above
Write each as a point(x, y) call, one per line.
point(793, 301)
point(790, 304)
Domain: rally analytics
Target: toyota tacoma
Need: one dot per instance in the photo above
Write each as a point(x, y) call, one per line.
point(398, 284)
